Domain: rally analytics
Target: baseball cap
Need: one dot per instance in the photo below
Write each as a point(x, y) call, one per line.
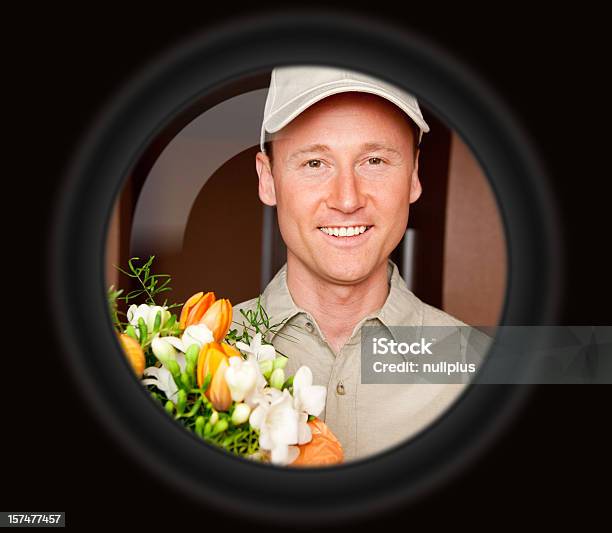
point(294, 89)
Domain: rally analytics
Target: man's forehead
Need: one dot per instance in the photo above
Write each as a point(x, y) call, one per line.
point(352, 102)
point(348, 105)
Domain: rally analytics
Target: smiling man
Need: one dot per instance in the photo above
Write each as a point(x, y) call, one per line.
point(339, 160)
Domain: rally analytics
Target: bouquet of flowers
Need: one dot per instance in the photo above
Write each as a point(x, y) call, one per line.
point(230, 389)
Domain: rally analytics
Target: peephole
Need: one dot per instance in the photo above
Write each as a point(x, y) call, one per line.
point(263, 173)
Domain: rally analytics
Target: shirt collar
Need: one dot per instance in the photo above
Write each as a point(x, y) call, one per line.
point(277, 301)
point(401, 308)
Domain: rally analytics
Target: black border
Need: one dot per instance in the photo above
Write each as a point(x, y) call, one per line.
point(122, 133)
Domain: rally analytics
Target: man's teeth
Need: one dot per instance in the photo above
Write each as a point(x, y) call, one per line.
point(345, 231)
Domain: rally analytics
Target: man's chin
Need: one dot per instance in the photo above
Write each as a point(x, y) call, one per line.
point(345, 272)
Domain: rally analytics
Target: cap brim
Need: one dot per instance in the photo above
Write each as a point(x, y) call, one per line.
point(281, 117)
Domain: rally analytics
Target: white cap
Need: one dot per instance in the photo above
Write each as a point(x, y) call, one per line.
point(294, 89)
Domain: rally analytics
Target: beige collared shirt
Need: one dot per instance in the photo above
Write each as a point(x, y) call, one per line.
point(366, 418)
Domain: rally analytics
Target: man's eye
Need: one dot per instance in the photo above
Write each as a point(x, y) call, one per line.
point(375, 160)
point(314, 163)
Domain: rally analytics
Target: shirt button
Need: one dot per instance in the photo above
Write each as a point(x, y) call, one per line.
point(309, 327)
point(340, 389)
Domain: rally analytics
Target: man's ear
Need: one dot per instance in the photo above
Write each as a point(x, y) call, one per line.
point(267, 193)
point(415, 183)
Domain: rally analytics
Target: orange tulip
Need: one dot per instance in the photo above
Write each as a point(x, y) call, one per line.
point(218, 318)
point(209, 358)
point(133, 352)
point(230, 350)
point(195, 307)
point(214, 360)
point(323, 449)
point(219, 393)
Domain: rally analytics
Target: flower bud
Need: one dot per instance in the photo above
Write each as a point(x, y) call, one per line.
point(169, 322)
point(175, 370)
point(219, 427)
point(191, 356)
point(219, 393)
point(157, 322)
point(169, 407)
point(241, 414)
point(266, 367)
point(133, 352)
point(280, 362)
point(181, 401)
point(214, 417)
point(163, 350)
point(209, 358)
point(142, 331)
point(186, 380)
point(195, 307)
point(277, 378)
point(218, 318)
point(213, 361)
point(199, 426)
point(131, 332)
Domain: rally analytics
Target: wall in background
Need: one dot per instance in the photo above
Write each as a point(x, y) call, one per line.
point(475, 263)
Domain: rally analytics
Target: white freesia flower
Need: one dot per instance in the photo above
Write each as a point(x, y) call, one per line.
point(241, 377)
point(163, 348)
point(307, 397)
point(241, 413)
point(261, 352)
point(197, 334)
point(147, 313)
point(278, 425)
point(245, 380)
point(268, 395)
point(277, 379)
point(162, 379)
point(304, 431)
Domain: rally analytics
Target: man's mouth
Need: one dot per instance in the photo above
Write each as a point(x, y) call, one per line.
point(344, 231)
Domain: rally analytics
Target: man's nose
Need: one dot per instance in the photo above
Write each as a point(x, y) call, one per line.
point(346, 192)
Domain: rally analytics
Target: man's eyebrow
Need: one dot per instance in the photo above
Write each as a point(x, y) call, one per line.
point(366, 147)
point(378, 146)
point(308, 150)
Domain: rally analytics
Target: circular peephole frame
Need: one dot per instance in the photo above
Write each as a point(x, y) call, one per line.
point(119, 137)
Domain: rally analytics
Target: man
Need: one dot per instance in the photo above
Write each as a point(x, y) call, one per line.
point(342, 170)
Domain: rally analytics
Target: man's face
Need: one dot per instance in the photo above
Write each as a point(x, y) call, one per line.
point(346, 162)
